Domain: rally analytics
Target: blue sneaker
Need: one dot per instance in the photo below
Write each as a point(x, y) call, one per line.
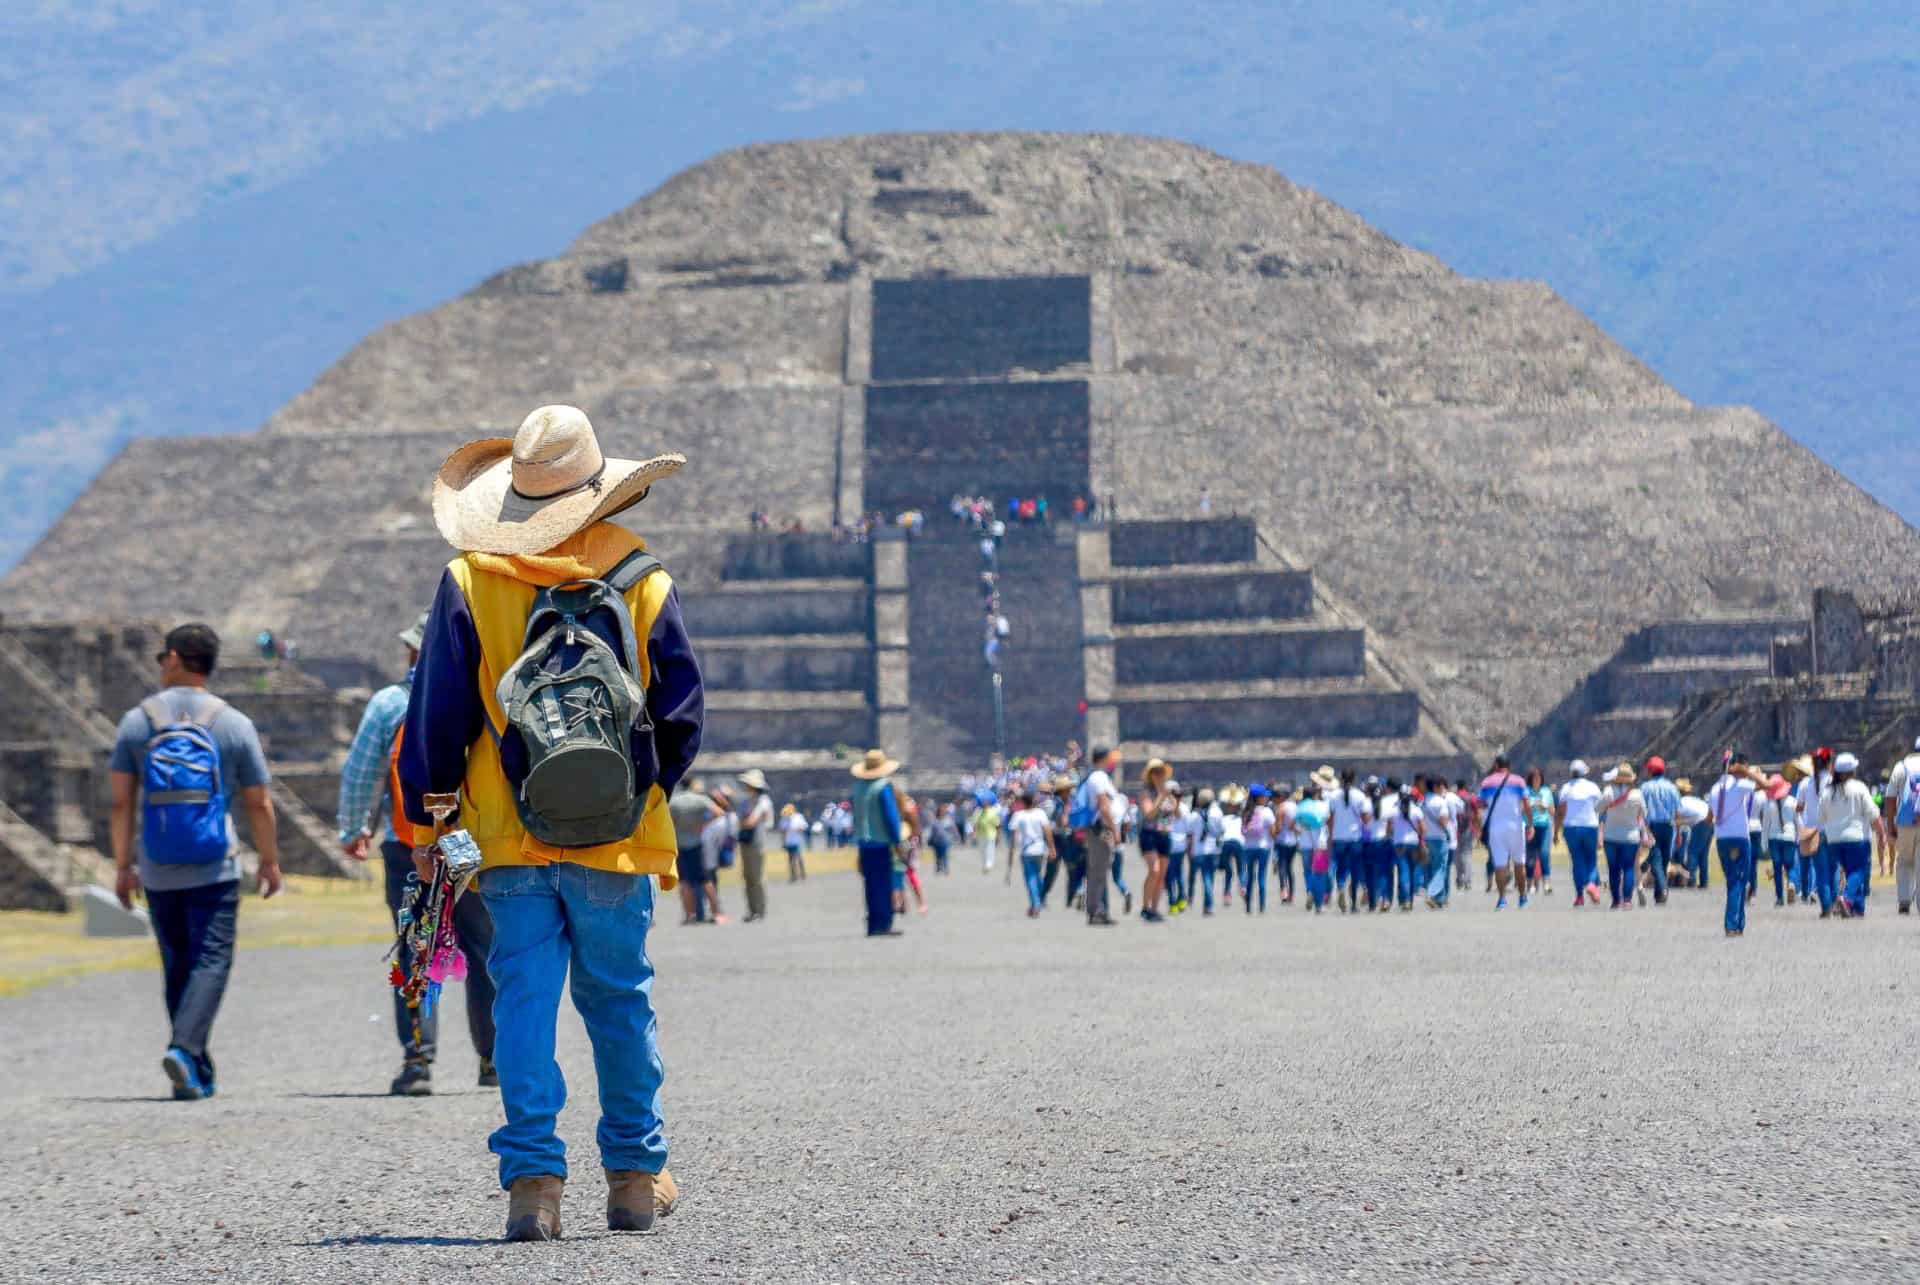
point(187, 1084)
point(1500, 904)
point(1523, 902)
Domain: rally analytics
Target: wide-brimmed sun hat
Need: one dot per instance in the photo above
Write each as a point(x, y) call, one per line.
point(754, 779)
point(1801, 768)
point(528, 492)
point(1622, 775)
point(1777, 787)
point(875, 765)
point(1155, 765)
point(1326, 777)
point(1060, 783)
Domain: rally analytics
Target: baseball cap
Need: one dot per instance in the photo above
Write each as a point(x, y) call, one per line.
point(1846, 763)
point(1656, 764)
point(1578, 767)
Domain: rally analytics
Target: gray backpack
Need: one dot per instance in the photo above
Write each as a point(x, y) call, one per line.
point(578, 709)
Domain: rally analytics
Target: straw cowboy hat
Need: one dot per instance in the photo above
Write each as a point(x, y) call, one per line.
point(1798, 769)
point(528, 492)
point(1061, 785)
point(1326, 778)
point(1154, 765)
point(1622, 775)
point(754, 779)
point(875, 765)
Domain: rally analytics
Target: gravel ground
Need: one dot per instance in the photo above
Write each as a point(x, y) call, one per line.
point(1544, 1095)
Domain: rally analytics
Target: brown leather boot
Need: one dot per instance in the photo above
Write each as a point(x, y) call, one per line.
point(665, 1193)
point(633, 1198)
point(533, 1208)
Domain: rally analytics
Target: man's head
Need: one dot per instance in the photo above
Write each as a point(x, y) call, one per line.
point(1738, 758)
point(1107, 760)
point(1501, 763)
point(189, 655)
point(411, 637)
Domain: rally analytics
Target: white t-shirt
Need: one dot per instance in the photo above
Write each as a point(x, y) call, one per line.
point(1210, 831)
point(1230, 828)
point(1177, 830)
point(1846, 814)
point(795, 829)
point(1351, 808)
point(1402, 830)
point(1906, 776)
point(1443, 811)
point(1806, 797)
point(1694, 810)
point(1289, 830)
point(1029, 830)
point(1728, 803)
point(1194, 823)
point(1777, 819)
point(1100, 786)
point(1580, 796)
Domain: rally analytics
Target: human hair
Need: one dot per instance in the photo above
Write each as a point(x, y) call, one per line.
point(1027, 798)
point(1405, 796)
point(1535, 777)
point(1502, 762)
point(197, 646)
point(1100, 752)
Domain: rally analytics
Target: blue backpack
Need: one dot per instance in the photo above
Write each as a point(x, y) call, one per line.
point(184, 805)
point(1081, 814)
point(1909, 805)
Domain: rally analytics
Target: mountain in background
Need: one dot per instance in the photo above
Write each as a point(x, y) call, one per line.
point(203, 206)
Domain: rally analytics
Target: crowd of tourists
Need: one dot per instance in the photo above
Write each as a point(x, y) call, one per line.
point(1371, 844)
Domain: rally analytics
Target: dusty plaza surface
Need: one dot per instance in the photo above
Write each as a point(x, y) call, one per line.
point(1543, 1095)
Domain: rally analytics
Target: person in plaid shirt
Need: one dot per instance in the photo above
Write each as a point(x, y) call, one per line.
point(367, 802)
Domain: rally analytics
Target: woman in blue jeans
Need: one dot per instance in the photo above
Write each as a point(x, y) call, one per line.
point(1256, 836)
point(1625, 834)
point(1851, 823)
point(1540, 843)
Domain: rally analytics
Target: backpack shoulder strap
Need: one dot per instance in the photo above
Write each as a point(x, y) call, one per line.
point(206, 718)
point(631, 570)
point(158, 714)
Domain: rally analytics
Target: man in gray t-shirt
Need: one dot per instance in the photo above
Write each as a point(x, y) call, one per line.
point(195, 906)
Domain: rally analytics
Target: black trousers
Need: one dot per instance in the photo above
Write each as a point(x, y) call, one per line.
point(195, 928)
point(474, 932)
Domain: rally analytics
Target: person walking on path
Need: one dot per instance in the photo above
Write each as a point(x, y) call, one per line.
point(180, 759)
point(1098, 806)
point(1578, 818)
point(1816, 773)
point(1779, 830)
point(1902, 818)
point(1032, 837)
point(877, 832)
point(1540, 839)
point(1623, 831)
point(369, 797)
point(756, 826)
point(793, 837)
point(1662, 802)
point(690, 811)
point(1729, 802)
point(1509, 812)
point(1851, 822)
point(986, 831)
point(1441, 810)
point(1158, 805)
point(554, 643)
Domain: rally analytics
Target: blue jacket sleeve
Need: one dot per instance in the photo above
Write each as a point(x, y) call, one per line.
point(890, 813)
point(445, 711)
point(676, 698)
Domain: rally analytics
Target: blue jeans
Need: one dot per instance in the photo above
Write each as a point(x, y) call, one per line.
point(1203, 875)
point(195, 928)
point(1439, 868)
point(1283, 855)
point(1736, 860)
point(1854, 858)
point(1825, 880)
point(1405, 857)
point(1253, 866)
point(1230, 854)
point(545, 920)
point(1786, 857)
point(1347, 871)
point(1621, 855)
point(1662, 832)
point(1118, 880)
point(1699, 847)
point(1583, 849)
point(876, 878)
point(1540, 849)
point(1176, 878)
point(1030, 871)
point(1379, 859)
point(1319, 887)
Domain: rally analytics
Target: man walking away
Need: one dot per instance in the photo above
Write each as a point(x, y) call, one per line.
point(756, 824)
point(180, 759)
point(878, 831)
point(1662, 801)
point(368, 797)
point(690, 811)
point(554, 644)
point(1903, 826)
point(1097, 809)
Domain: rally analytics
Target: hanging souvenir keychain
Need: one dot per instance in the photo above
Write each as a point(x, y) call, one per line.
point(426, 938)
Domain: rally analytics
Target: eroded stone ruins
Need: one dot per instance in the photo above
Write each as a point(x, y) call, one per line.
point(1445, 514)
